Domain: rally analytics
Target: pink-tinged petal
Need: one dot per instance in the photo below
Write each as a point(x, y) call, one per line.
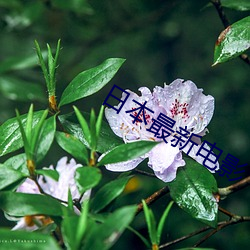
point(122, 123)
point(125, 166)
point(164, 160)
point(186, 104)
point(29, 187)
point(59, 189)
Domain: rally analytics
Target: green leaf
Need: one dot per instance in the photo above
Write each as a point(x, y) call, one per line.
point(193, 191)
point(162, 221)
point(18, 162)
point(151, 223)
point(105, 235)
point(92, 127)
point(69, 230)
point(127, 152)
point(8, 176)
point(108, 193)
point(37, 131)
point(82, 223)
point(107, 139)
point(87, 177)
point(16, 240)
point(241, 5)
point(90, 81)
point(10, 136)
point(43, 65)
point(20, 204)
point(84, 125)
point(233, 41)
point(73, 146)
point(46, 138)
point(53, 174)
point(99, 122)
point(19, 90)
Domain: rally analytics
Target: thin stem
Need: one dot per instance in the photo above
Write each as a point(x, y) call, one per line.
point(144, 173)
point(224, 211)
point(224, 192)
point(152, 198)
point(235, 220)
point(226, 23)
point(185, 237)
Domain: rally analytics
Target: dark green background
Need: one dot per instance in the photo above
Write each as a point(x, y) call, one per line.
point(162, 41)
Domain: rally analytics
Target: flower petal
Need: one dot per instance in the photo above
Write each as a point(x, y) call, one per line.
point(65, 182)
point(186, 104)
point(122, 123)
point(164, 160)
point(29, 187)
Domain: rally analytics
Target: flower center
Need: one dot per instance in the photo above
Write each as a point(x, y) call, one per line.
point(179, 109)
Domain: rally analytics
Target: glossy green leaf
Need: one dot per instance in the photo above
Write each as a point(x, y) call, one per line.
point(233, 41)
point(9, 175)
point(105, 235)
point(108, 193)
point(73, 146)
point(90, 81)
point(87, 177)
point(241, 5)
point(18, 162)
point(10, 136)
point(46, 138)
point(127, 152)
point(193, 191)
point(53, 174)
point(20, 204)
point(19, 90)
point(16, 240)
point(84, 125)
point(107, 139)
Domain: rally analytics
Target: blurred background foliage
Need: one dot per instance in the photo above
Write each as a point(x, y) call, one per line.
point(162, 41)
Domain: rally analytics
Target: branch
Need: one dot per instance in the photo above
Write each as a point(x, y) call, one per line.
point(152, 198)
point(235, 220)
point(185, 237)
point(224, 192)
point(226, 23)
point(144, 173)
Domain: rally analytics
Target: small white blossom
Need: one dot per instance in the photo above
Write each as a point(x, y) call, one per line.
point(58, 189)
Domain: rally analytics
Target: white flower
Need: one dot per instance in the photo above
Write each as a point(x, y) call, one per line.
point(181, 101)
point(58, 189)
